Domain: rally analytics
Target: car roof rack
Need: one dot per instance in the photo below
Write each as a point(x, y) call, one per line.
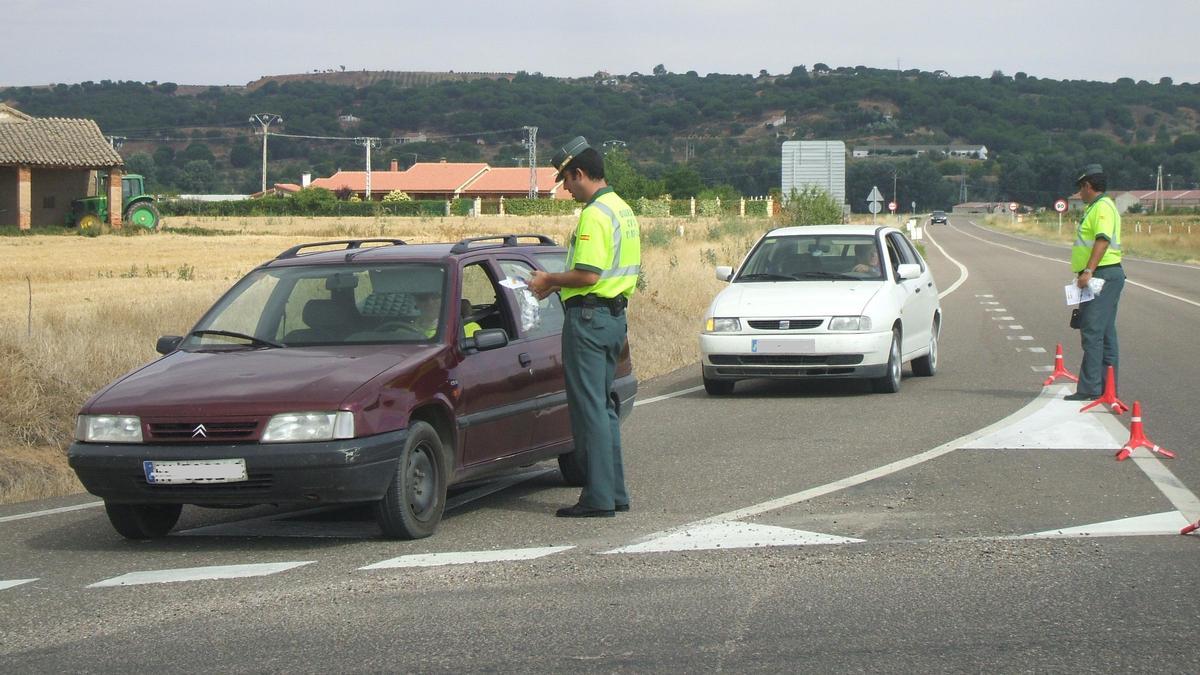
point(349, 244)
point(464, 245)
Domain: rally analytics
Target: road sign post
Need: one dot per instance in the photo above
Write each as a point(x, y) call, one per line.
point(1012, 211)
point(873, 201)
point(1061, 207)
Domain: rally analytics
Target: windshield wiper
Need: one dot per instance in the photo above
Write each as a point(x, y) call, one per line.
point(829, 275)
point(250, 338)
point(767, 275)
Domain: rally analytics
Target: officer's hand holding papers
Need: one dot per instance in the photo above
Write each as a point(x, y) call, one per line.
point(1076, 295)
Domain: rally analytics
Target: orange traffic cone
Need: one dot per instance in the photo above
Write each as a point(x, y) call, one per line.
point(1137, 438)
point(1191, 528)
point(1109, 396)
point(1059, 369)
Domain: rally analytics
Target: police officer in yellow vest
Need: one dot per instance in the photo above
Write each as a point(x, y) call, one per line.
point(603, 260)
point(1097, 254)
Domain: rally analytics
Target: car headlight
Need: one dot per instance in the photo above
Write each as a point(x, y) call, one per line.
point(309, 426)
point(719, 325)
point(859, 323)
point(108, 429)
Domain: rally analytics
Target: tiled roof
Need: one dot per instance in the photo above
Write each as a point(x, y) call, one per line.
point(55, 141)
point(512, 180)
point(420, 177)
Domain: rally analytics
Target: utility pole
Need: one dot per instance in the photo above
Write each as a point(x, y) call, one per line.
point(266, 120)
point(368, 143)
point(962, 188)
point(531, 143)
point(1158, 186)
point(895, 174)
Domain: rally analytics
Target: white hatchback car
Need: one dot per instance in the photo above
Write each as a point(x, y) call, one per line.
point(853, 301)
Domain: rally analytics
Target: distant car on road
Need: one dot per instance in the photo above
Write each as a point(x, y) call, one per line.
point(826, 301)
point(938, 217)
point(340, 372)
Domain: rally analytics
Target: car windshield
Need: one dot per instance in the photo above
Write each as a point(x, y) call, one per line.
point(817, 257)
point(298, 306)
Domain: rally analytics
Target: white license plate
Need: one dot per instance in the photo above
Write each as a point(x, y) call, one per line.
point(195, 471)
point(783, 346)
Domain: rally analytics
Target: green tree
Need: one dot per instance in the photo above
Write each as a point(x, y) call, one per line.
point(811, 206)
point(682, 182)
point(242, 155)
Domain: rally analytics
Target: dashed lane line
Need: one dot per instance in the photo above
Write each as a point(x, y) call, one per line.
point(199, 574)
point(466, 557)
point(13, 583)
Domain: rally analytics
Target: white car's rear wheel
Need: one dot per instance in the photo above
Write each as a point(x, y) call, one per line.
point(926, 366)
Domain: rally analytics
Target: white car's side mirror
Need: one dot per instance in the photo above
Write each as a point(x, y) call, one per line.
point(724, 272)
point(908, 271)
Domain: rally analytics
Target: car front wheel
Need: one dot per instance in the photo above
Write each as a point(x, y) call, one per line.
point(718, 387)
point(143, 521)
point(889, 383)
point(413, 504)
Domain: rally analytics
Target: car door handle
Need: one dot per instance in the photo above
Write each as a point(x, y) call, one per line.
point(918, 290)
point(525, 359)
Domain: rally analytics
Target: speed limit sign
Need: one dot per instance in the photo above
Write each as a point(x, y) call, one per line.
point(1060, 206)
point(892, 207)
point(1013, 206)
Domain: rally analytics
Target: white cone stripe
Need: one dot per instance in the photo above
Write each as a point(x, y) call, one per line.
point(198, 574)
point(466, 557)
point(12, 583)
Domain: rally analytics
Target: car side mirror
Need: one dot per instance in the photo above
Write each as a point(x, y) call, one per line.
point(908, 271)
point(724, 272)
point(167, 344)
point(489, 338)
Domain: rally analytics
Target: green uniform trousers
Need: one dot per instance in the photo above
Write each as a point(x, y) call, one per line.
point(592, 341)
point(1098, 332)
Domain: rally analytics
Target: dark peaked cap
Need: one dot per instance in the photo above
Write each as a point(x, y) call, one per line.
point(568, 152)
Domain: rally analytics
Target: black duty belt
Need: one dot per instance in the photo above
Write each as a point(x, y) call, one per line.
point(615, 305)
point(1104, 267)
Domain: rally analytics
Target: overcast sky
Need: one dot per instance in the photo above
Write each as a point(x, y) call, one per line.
point(228, 42)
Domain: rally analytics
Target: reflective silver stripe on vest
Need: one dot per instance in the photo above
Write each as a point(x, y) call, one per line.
point(1088, 243)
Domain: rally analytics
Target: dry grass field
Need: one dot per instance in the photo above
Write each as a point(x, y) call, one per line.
point(77, 311)
point(1157, 237)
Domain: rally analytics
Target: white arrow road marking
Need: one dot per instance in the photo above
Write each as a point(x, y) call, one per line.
point(14, 582)
point(199, 574)
point(732, 534)
point(1169, 522)
point(466, 557)
point(1056, 426)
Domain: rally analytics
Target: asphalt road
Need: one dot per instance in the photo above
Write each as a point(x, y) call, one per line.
point(789, 527)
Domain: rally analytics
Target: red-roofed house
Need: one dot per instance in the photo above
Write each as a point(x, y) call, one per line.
point(513, 182)
point(424, 180)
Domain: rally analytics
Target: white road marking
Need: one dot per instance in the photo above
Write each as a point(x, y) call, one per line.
point(984, 295)
point(995, 309)
point(664, 397)
point(1016, 326)
point(1025, 338)
point(990, 302)
point(1056, 426)
point(962, 269)
point(48, 512)
point(1046, 396)
point(1169, 522)
point(1066, 247)
point(1003, 318)
point(1067, 262)
point(732, 534)
point(199, 574)
point(1037, 350)
point(1041, 369)
point(466, 557)
point(12, 583)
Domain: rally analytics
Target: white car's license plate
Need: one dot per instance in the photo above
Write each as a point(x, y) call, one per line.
point(782, 346)
point(195, 471)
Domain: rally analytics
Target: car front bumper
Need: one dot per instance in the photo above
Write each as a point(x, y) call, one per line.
point(352, 470)
point(797, 355)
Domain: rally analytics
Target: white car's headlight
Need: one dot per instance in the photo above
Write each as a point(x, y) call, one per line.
point(309, 426)
point(719, 325)
point(108, 429)
point(850, 323)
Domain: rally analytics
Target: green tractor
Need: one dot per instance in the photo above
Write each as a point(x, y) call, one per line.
point(139, 209)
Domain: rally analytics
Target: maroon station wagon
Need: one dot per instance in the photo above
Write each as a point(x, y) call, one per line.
point(345, 371)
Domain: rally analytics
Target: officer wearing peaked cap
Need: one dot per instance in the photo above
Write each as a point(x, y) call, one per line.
point(603, 261)
point(1097, 254)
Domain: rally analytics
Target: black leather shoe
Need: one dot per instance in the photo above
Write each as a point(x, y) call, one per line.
point(622, 508)
point(582, 511)
point(1080, 397)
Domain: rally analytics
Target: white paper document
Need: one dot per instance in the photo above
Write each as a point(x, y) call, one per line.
point(1076, 295)
point(513, 283)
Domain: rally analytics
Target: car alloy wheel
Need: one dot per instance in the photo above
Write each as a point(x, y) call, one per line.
point(889, 383)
